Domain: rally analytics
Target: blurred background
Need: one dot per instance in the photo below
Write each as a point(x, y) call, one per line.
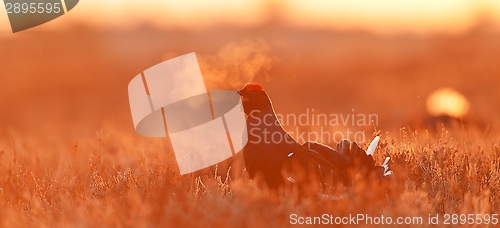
point(68, 78)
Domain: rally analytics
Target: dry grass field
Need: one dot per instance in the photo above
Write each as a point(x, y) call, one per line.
point(122, 181)
point(69, 156)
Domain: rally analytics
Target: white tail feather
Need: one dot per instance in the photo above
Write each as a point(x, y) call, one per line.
point(373, 146)
point(387, 159)
point(387, 172)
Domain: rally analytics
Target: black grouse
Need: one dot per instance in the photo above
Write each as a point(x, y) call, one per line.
point(278, 159)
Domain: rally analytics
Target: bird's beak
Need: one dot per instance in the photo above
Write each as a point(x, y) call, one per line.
point(243, 98)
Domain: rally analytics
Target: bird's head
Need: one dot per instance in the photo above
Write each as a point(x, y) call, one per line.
point(254, 98)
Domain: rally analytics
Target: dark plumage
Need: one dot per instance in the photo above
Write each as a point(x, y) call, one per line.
point(273, 154)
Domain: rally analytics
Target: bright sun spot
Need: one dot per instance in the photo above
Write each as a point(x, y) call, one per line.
point(447, 101)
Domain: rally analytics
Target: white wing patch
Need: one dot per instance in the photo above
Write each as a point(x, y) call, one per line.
point(373, 146)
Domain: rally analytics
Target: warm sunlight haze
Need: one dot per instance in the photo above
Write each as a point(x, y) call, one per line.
point(385, 17)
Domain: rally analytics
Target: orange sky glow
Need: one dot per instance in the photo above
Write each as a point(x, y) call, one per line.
point(384, 16)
